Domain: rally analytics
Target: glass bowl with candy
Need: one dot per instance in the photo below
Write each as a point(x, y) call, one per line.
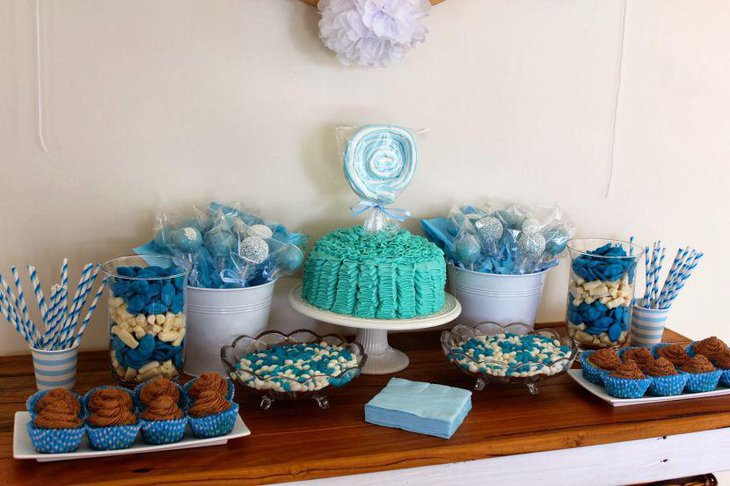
point(147, 326)
point(301, 364)
point(601, 291)
point(493, 353)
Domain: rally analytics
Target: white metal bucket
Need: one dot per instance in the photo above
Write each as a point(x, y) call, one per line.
point(216, 316)
point(503, 299)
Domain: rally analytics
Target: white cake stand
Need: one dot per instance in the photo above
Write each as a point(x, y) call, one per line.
point(373, 333)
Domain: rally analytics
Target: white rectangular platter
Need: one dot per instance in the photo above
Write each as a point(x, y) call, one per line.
point(23, 449)
point(600, 392)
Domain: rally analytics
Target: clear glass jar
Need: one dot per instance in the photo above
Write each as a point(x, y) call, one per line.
point(146, 317)
point(601, 291)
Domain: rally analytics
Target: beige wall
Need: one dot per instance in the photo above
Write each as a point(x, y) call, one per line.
point(155, 103)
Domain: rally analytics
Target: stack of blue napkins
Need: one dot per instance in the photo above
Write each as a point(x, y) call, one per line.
point(419, 407)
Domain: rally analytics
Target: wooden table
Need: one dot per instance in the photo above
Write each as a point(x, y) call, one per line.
point(564, 434)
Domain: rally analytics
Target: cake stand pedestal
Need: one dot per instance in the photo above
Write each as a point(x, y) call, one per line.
point(372, 334)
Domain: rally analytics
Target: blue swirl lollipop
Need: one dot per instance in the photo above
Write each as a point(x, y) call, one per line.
point(380, 161)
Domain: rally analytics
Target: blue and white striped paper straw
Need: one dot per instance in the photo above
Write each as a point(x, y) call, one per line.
point(8, 312)
point(80, 289)
point(21, 304)
point(87, 318)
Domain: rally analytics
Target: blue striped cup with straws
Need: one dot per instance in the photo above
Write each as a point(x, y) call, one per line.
point(55, 368)
point(647, 325)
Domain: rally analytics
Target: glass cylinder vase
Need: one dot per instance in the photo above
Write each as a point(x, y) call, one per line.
point(146, 317)
point(601, 291)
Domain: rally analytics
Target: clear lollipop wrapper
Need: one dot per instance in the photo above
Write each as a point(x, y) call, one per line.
point(501, 237)
point(228, 247)
point(379, 162)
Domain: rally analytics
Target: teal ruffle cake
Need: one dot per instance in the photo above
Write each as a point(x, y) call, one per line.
point(375, 275)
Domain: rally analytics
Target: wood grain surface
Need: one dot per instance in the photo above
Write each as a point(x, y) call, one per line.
point(296, 440)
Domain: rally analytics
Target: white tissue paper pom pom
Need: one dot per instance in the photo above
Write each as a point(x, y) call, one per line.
point(372, 32)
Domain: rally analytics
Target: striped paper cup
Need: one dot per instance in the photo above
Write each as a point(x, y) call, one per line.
point(647, 325)
point(55, 369)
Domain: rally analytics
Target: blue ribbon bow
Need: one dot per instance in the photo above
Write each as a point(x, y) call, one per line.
point(393, 213)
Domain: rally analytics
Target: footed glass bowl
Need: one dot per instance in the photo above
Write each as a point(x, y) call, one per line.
point(284, 387)
point(488, 370)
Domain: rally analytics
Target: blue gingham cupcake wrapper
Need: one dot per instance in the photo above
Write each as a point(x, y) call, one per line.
point(591, 373)
point(55, 441)
point(32, 401)
point(155, 432)
point(665, 386)
point(703, 382)
point(183, 402)
point(215, 425)
point(229, 394)
point(87, 396)
point(113, 437)
point(626, 387)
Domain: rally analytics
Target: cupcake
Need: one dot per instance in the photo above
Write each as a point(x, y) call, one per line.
point(209, 381)
point(666, 380)
point(627, 381)
point(163, 422)
point(597, 364)
point(57, 424)
point(642, 356)
point(150, 390)
point(674, 353)
point(711, 348)
point(211, 415)
point(112, 423)
point(703, 376)
point(722, 362)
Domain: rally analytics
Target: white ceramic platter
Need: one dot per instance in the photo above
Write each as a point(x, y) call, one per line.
point(600, 392)
point(23, 449)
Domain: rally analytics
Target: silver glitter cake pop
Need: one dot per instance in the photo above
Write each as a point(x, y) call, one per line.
point(531, 244)
point(530, 225)
point(254, 249)
point(490, 229)
point(260, 230)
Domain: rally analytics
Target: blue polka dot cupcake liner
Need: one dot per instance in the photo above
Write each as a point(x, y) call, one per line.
point(591, 373)
point(725, 378)
point(626, 387)
point(230, 393)
point(113, 437)
point(157, 432)
point(703, 382)
point(183, 402)
point(666, 386)
point(32, 401)
point(55, 441)
point(215, 425)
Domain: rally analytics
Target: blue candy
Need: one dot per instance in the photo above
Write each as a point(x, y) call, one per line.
point(156, 308)
point(177, 303)
point(136, 304)
point(167, 294)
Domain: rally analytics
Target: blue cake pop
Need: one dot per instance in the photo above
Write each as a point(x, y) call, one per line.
point(490, 229)
point(220, 242)
point(290, 258)
point(468, 249)
point(254, 249)
point(531, 244)
point(188, 239)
